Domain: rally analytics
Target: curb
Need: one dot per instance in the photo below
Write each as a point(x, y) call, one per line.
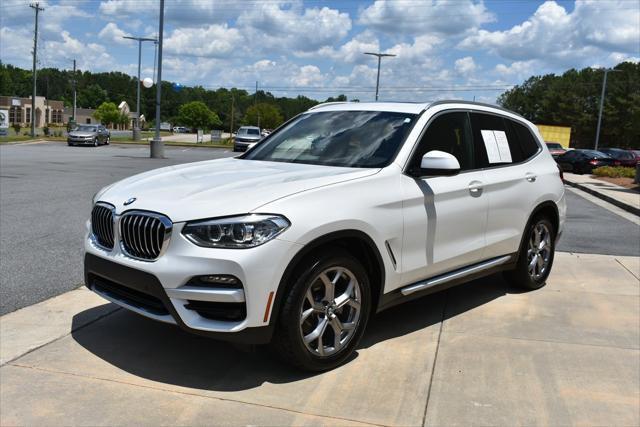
point(172, 144)
point(622, 205)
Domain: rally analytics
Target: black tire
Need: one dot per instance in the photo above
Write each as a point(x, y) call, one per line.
point(95, 142)
point(522, 276)
point(107, 141)
point(70, 144)
point(288, 341)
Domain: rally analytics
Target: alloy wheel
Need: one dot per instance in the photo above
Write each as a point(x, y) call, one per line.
point(330, 311)
point(539, 252)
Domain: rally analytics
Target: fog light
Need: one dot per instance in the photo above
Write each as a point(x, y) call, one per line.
point(216, 281)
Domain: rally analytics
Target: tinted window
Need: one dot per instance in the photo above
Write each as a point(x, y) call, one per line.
point(489, 122)
point(253, 132)
point(554, 146)
point(337, 138)
point(521, 142)
point(526, 140)
point(451, 133)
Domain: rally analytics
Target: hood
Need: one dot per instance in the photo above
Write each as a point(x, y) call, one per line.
point(82, 134)
point(221, 187)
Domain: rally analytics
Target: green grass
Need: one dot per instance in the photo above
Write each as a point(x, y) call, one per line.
point(615, 172)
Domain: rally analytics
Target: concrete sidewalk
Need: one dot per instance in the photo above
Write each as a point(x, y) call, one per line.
point(621, 197)
point(481, 354)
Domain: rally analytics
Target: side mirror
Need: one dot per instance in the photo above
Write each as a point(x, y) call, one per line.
point(436, 163)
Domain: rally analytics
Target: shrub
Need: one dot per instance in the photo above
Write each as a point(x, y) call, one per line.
point(615, 171)
point(16, 127)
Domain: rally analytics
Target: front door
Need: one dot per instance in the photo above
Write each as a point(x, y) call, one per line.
point(445, 217)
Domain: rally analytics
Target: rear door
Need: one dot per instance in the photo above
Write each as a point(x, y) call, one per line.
point(512, 184)
point(444, 216)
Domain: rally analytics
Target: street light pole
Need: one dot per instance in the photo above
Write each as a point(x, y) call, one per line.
point(604, 88)
point(379, 55)
point(136, 129)
point(157, 146)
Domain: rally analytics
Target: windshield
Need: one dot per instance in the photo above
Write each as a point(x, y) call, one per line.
point(249, 131)
point(554, 145)
point(86, 128)
point(365, 139)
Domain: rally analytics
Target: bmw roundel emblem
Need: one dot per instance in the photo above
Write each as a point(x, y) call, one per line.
point(131, 200)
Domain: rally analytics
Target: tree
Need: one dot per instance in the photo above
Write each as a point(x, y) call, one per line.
point(197, 115)
point(91, 96)
point(265, 115)
point(572, 99)
point(107, 113)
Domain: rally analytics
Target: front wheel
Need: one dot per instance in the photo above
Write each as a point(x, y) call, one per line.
point(325, 312)
point(107, 141)
point(536, 256)
point(95, 142)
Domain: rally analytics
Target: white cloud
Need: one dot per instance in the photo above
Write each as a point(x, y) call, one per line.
point(350, 52)
point(425, 17)
point(557, 37)
point(186, 13)
point(111, 32)
point(465, 66)
point(213, 41)
point(270, 26)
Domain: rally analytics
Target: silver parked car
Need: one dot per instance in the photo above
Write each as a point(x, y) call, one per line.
point(247, 135)
point(89, 135)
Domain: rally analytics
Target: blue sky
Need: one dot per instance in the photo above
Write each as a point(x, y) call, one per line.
point(445, 48)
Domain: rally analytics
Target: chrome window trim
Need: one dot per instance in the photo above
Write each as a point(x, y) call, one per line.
point(168, 228)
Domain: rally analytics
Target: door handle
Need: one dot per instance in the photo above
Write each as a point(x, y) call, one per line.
point(530, 177)
point(475, 188)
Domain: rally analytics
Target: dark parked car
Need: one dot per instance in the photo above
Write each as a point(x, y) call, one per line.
point(246, 136)
point(555, 149)
point(584, 161)
point(89, 135)
point(625, 157)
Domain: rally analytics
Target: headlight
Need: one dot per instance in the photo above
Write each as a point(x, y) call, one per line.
point(246, 231)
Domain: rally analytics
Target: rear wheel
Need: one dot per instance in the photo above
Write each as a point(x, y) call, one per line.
point(325, 313)
point(536, 256)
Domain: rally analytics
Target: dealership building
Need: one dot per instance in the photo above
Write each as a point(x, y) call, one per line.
point(19, 110)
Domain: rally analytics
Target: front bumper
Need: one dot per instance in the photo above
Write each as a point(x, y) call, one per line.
point(161, 290)
point(80, 141)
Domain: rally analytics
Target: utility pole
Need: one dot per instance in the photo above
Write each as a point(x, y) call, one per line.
point(75, 84)
point(157, 146)
point(379, 55)
point(37, 8)
point(604, 88)
point(233, 101)
point(255, 102)
point(136, 129)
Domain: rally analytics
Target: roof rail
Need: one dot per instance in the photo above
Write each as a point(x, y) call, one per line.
point(328, 103)
point(481, 104)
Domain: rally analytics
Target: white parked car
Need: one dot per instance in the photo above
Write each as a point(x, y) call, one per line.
point(344, 211)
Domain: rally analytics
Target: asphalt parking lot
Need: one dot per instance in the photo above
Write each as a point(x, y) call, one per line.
point(45, 194)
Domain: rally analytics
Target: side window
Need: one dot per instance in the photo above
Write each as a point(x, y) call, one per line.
point(451, 133)
point(526, 140)
point(494, 139)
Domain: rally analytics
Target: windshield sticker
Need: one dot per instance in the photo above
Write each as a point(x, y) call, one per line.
point(497, 146)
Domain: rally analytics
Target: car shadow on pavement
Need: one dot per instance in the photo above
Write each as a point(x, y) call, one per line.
point(164, 353)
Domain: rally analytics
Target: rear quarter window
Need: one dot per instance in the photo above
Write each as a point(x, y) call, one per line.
point(527, 142)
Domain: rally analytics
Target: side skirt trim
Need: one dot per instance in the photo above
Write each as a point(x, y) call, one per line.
point(457, 274)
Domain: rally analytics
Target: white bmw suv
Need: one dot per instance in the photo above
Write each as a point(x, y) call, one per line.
point(344, 211)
